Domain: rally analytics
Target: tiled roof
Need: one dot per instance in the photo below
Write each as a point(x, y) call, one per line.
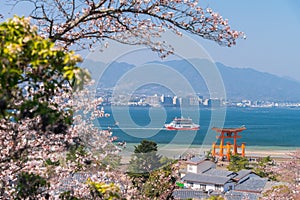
point(196, 159)
point(206, 165)
point(242, 173)
point(189, 194)
point(252, 185)
point(219, 172)
point(206, 179)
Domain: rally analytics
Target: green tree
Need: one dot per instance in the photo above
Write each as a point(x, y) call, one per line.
point(146, 146)
point(143, 161)
point(145, 158)
point(154, 176)
point(32, 70)
point(238, 163)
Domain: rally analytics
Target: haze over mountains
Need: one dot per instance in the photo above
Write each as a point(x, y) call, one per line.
point(240, 83)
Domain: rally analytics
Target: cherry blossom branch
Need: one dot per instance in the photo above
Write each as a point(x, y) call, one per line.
point(138, 22)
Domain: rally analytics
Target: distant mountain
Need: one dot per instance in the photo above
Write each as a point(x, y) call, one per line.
point(247, 83)
point(106, 74)
point(240, 83)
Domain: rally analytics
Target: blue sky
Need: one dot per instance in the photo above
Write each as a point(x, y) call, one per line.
point(272, 28)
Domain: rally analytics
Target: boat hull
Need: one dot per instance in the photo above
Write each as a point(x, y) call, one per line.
point(182, 129)
point(185, 124)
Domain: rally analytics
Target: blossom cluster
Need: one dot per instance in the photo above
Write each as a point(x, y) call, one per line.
point(47, 130)
point(288, 173)
point(142, 22)
point(26, 147)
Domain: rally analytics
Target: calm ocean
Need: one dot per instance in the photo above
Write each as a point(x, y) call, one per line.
point(266, 127)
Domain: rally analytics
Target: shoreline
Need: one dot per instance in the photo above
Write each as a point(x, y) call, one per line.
point(177, 150)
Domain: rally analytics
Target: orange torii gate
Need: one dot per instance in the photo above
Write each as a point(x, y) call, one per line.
point(228, 133)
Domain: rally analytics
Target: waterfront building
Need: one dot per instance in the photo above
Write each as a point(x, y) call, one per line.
point(176, 101)
point(194, 100)
point(214, 103)
point(167, 101)
point(153, 100)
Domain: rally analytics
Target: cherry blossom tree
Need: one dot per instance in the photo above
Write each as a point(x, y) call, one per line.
point(44, 139)
point(162, 182)
point(139, 22)
point(43, 145)
point(288, 172)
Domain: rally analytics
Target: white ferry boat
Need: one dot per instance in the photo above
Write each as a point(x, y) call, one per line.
point(182, 124)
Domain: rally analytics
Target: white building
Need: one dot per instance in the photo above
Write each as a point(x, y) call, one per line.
point(198, 165)
point(202, 175)
point(207, 183)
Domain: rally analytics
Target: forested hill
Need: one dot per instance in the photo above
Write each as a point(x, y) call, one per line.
point(240, 83)
point(251, 84)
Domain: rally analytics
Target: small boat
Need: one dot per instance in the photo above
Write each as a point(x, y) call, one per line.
point(182, 124)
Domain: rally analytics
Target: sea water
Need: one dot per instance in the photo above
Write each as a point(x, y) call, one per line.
point(265, 127)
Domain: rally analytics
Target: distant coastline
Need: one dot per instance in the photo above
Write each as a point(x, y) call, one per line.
point(142, 101)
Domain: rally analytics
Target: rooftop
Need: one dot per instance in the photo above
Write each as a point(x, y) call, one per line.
point(242, 173)
point(252, 185)
point(220, 173)
point(196, 160)
point(205, 165)
point(207, 179)
point(189, 194)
